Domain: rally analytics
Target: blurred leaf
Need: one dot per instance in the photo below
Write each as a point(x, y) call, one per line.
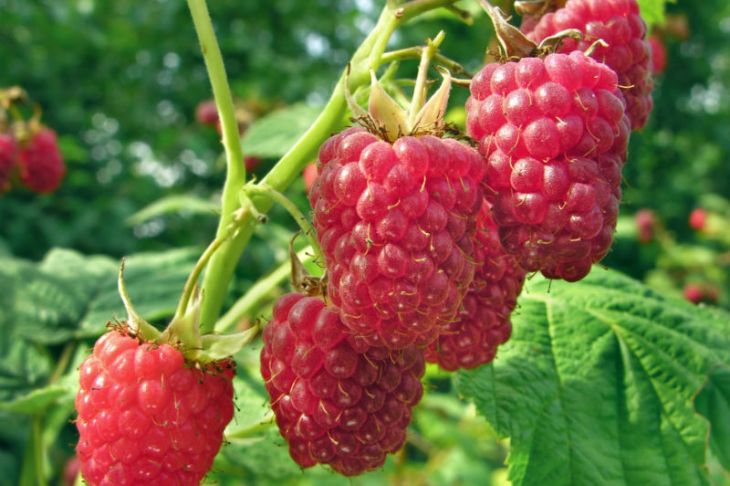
point(174, 204)
point(598, 382)
point(35, 401)
point(273, 135)
point(653, 11)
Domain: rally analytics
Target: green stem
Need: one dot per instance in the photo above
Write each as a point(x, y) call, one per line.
point(236, 169)
point(38, 450)
point(368, 56)
point(254, 430)
point(421, 89)
point(294, 211)
point(258, 293)
point(415, 52)
point(192, 280)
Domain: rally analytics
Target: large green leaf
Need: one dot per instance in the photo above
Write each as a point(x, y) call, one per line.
point(598, 382)
point(69, 295)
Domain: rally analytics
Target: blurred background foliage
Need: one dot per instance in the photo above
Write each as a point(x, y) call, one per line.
point(120, 82)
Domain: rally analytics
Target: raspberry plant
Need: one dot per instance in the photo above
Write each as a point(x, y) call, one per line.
point(420, 242)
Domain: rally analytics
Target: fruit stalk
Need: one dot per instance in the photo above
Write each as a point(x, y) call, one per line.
point(235, 170)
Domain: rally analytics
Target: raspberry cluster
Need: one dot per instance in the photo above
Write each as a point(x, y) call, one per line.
point(627, 51)
point(555, 136)
point(483, 323)
point(396, 224)
point(337, 400)
point(145, 417)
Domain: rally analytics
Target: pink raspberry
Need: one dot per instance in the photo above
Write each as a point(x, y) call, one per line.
point(337, 400)
point(618, 23)
point(8, 158)
point(41, 163)
point(555, 135)
point(483, 324)
point(147, 417)
point(646, 225)
point(206, 113)
point(396, 222)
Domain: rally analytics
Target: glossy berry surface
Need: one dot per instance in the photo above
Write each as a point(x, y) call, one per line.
point(628, 53)
point(8, 158)
point(337, 400)
point(483, 324)
point(554, 134)
point(396, 221)
point(41, 165)
point(145, 417)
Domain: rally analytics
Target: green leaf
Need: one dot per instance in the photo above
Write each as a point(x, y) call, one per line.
point(653, 11)
point(273, 135)
point(714, 403)
point(183, 204)
point(597, 384)
point(37, 400)
point(154, 280)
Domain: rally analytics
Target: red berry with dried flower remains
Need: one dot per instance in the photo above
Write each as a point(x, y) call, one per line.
point(145, 416)
point(337, 400)
point(555, 134)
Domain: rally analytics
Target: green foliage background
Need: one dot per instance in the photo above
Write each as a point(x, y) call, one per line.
point(119, 81)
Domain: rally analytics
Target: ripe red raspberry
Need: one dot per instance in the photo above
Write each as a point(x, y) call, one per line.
point(396, 222)
point(8, 158)
point(658, 55)
point(618, 23)
point(645, 225)
point(483, 324)
point(698, 219)
point(41, 164)
point(145, 417)
point(337, 400)
point(554, 134)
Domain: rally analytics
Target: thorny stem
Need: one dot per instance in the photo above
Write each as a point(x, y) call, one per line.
point(368, 56)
